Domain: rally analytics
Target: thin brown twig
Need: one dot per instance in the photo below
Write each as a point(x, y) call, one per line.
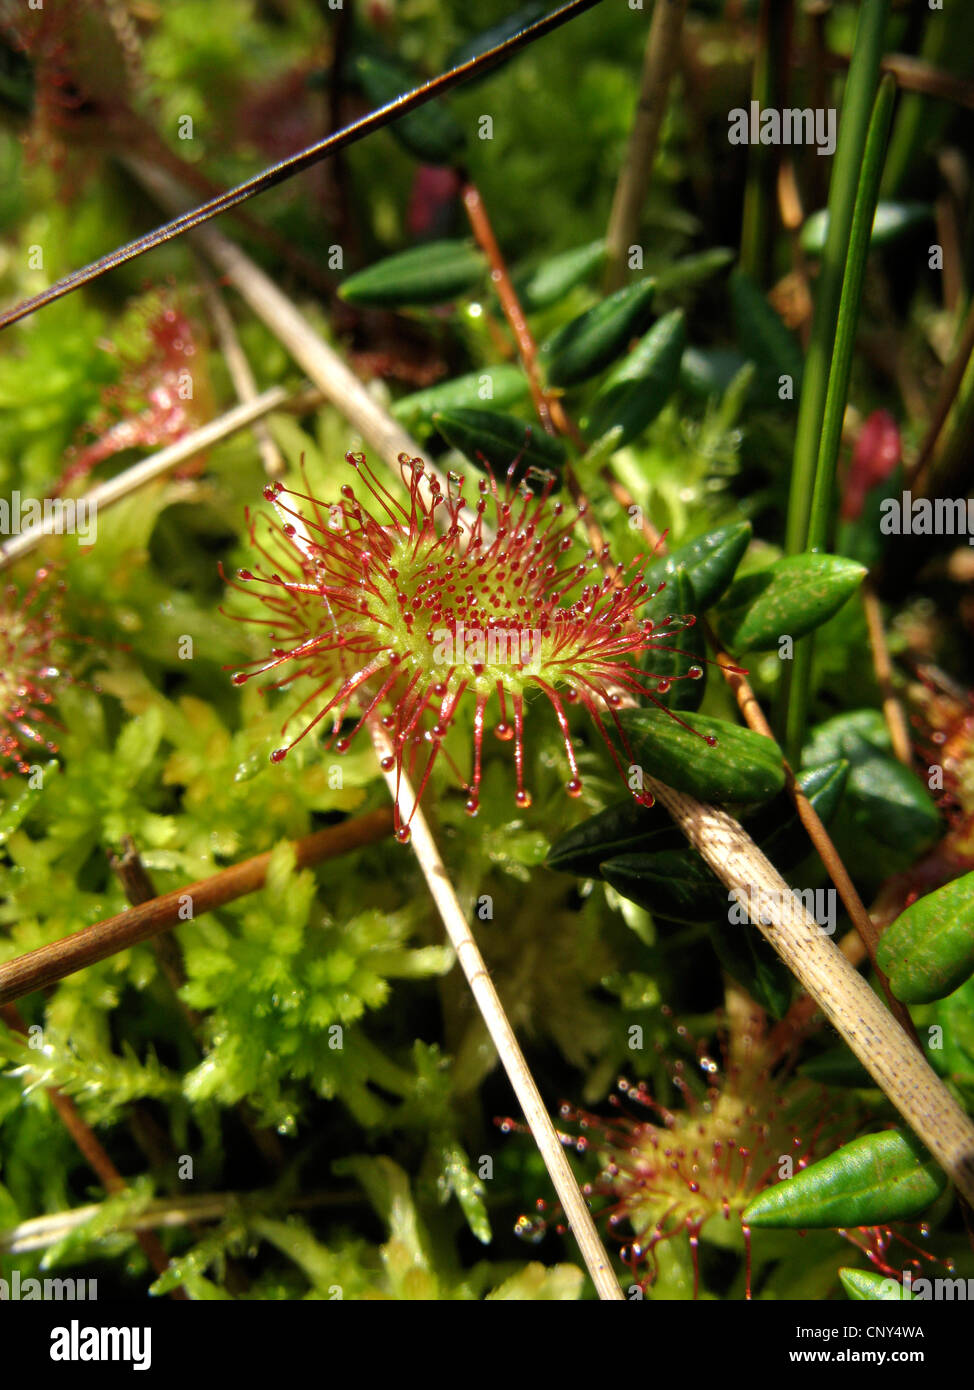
point(93, 1152)
point(912, 74)
point(918, 476)
point(893, 712)
point(47, 964)
point(139, 888)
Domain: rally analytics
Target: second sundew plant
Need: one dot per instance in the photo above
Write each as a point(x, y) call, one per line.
point(553, 570)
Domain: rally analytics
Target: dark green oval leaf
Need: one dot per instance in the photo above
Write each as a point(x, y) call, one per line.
point(434, 273)
point(431, 132)
point(550, 281)
point(709, 562)
point(619, 829)
point(687, 648)
point(590, 342)
point(790, 597)
point(502, 385)
point(500, 439)
point(637, 389)
point(928, 952)
point(675, 884)
point(876, 1179)
point(777, 827)
point(763, 337)
point(741, 766)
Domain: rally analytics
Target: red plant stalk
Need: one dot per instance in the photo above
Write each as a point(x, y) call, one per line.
point(400, 609)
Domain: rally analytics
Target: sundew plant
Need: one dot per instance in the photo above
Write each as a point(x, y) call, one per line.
point(486, 718)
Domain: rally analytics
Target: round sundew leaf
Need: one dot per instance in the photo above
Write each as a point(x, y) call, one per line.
point(637, 389)
point(740, 766)
point(434, 273)
point(431, 132)
point(709, 561)
point(587, 344)
point(928, 952)
point(790, 597)
point(493, 387)
point(868, 1285)
point(876, 1179)
point(500, 439)
point(545, 284)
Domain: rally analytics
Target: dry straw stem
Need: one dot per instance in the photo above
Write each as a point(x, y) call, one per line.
point(323, 365)
point(241, 373)
point(488, 1002)
point(659, 63)
point(158, 464)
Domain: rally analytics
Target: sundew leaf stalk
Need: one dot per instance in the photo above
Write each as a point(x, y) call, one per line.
point(405, 613)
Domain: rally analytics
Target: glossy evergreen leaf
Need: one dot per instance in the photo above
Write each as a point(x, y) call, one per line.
point(672, 661)
point(891, 220)
point(740, 765)
point(876, 1179)
point(621, 828)
point(790, 597)
point(928, 952)
point(885, 800)
point(709, 562)
point(637, 389)
point(543, 285)
point(587, 344)
point(500, 439)
point(492, 388)
point(868, 1285)
point(433, 273)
